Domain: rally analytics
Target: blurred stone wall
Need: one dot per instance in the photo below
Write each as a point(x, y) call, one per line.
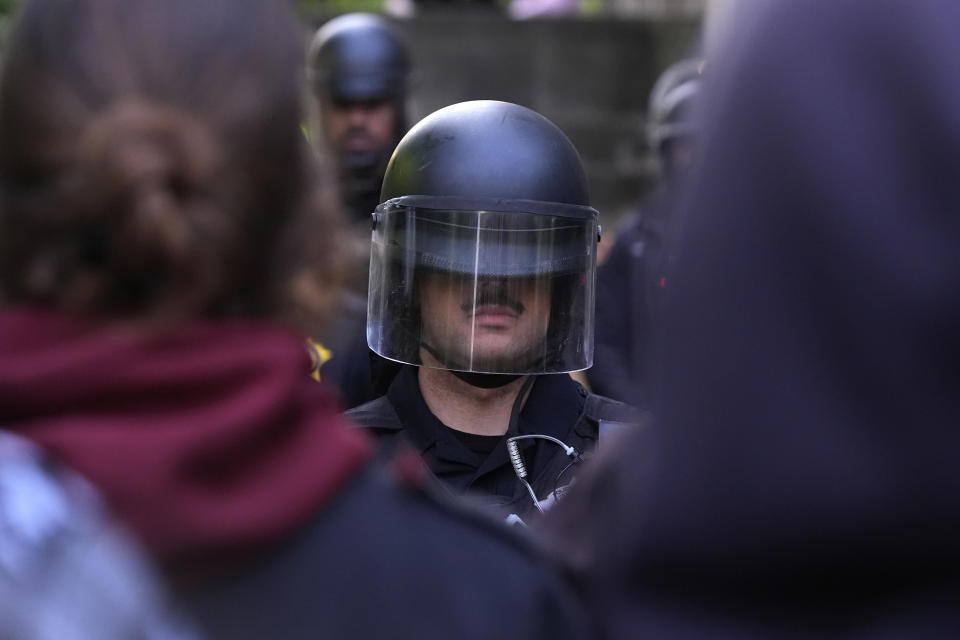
point(654, 8)
point(592, 77)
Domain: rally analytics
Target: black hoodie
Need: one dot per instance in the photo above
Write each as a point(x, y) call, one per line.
point(804, 478)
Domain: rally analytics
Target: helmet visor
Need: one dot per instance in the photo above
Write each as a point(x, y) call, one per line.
point(482, 291)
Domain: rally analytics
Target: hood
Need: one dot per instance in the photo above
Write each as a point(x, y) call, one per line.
point(809, 399)
point(209, 441)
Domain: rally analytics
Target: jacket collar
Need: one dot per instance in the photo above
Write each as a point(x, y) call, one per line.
point(554, 405)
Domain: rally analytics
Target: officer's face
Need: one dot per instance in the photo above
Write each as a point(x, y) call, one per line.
point(678, 157)
point(359, 127)
point(497, 324)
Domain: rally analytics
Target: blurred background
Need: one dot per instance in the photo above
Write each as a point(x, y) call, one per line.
point(588, 65)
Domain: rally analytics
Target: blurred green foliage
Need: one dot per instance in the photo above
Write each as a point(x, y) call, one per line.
point(309, 7)
point(311, 10)
point(329, 7)
point(6, 8)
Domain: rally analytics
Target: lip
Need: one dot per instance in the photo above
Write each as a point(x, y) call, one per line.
point(359, 142)
point(494, 315)
point(359, 146)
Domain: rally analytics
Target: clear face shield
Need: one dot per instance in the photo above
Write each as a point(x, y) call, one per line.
point(482, 291)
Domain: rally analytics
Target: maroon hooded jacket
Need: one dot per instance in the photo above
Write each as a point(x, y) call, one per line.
point(208, 441)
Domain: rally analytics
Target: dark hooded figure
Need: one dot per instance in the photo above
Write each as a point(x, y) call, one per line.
point(803, 481)
point(155, 200)
point(632, 281)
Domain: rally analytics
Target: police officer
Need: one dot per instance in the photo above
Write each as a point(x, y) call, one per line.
point(631, 282)
point(482, 280)
point(359, 71)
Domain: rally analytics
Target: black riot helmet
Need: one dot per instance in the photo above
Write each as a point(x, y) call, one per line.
point(484, 246)
point(358, 57)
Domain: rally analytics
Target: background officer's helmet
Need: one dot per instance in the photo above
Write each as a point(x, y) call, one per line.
point(359, 57)
point(671, 102)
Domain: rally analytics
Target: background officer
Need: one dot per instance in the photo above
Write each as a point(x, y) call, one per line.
point(359, 71)
point(482, 276)
point(631, 282)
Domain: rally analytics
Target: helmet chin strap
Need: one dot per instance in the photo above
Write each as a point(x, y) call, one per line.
point(486, 380)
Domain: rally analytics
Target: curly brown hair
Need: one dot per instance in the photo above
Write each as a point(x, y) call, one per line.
point(152, 164)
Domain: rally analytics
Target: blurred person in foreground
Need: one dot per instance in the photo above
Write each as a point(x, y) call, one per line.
point(631, 282)
point(154, 190)
point(803, 479)
point(359, 74)
point(67, 570)
point(482, 274)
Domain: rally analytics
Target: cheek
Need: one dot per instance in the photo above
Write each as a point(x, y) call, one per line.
point(448, 313)
point(335, 126)
point(538, 299)
point(383, 123)
point(439, 304)
point(540, 314)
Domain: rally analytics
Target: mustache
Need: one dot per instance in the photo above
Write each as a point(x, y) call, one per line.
point(358, 132)
point(493, 297)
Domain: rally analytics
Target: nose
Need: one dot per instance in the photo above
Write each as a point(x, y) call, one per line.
point(487, 283)
point(358, 115)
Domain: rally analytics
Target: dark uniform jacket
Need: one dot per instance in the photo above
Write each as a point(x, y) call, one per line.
point(557, 406)
point(630, 287)
point(353, 372)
